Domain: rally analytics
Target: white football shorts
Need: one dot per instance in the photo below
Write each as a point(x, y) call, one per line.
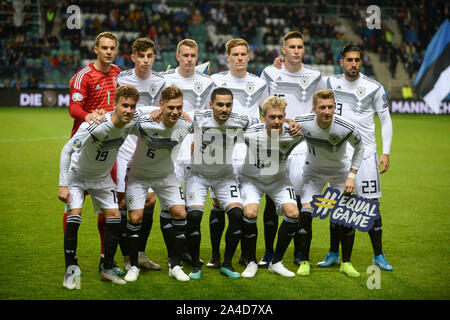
point(281, 192)
point(314, 182)
point(367, 183)
point(103, 193)
point(226, 189)
point(167, 189)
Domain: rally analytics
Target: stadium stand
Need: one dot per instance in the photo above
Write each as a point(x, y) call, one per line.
point(37, 48)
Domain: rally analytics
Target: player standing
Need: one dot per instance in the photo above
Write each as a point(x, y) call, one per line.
point(264, 172)
point(85, 165)
point(358, 98)
point(249, 92)
point(197, 88)
point(327, 135)
point(295, 82)
point(152, 166)
point(149, 84)
point(215, 132)
point(92, 93)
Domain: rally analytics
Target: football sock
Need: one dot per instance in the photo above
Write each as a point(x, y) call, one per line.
point(270, 224)
point(147, 223)
point(347, 239)
point(334, 237)
point(194, 219)
point(285, 234)
point(113, 233)
point(375, 235)
point(167, 230)
point(70, 239)
point(250, 236)
point(178, 241)
point(123, 242)
point(233, 234)
point(101, 225)
point(133, 242)
point(305, 232)
point(297, 238)
point(64, 221)
point(216, 227)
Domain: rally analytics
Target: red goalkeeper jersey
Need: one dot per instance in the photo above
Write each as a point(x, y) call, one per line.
point(92, 89)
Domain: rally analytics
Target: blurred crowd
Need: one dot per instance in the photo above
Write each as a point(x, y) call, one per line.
point(262, 24)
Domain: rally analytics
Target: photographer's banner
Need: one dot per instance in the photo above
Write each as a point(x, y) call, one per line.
point(350, 211)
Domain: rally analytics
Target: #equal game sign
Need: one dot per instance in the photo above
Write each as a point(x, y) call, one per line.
point(350, 211)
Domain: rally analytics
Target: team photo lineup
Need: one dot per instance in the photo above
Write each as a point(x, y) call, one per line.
point(182, 135)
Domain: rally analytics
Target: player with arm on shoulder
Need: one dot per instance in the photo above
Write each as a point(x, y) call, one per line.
point(149, 84)
point(197, 88)
point(249, 92)
point(296, 83)
point(265, 172)
point(85, 165)
point(358, 98)
point(152, 166)
point(215, 132)
point(92, 92)
point(327, 135)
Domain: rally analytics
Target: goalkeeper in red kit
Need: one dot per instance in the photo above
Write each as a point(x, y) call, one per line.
point(92, 93)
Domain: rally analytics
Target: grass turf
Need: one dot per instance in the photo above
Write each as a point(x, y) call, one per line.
point(414, 208)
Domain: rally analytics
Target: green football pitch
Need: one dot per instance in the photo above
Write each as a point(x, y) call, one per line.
point(415, 209)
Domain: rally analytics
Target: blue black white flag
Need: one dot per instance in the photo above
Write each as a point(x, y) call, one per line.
point(433, 79)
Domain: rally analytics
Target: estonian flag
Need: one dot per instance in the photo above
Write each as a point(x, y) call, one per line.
point(433, 79)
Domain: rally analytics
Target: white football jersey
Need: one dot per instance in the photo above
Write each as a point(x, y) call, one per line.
point(150, 90)
point(196, 89)
point(357, 102)
point(327, 147)
point(297, 88)
point(214, 142)
point(92, 151)
point(267, 156)
point(155, 150)
point(249, 92)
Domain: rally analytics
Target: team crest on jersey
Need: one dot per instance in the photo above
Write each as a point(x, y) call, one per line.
point(77, 97)
point(152, 89)
point(334, 138)
point(350, 211)
point(361, 91)
point(178, 135)
point(130, 200)
point(198, 87)
point(77, 143)
point(284, 145)
point(304, 81)
point(249, 87)
point(191, 196)
point(114, 81)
